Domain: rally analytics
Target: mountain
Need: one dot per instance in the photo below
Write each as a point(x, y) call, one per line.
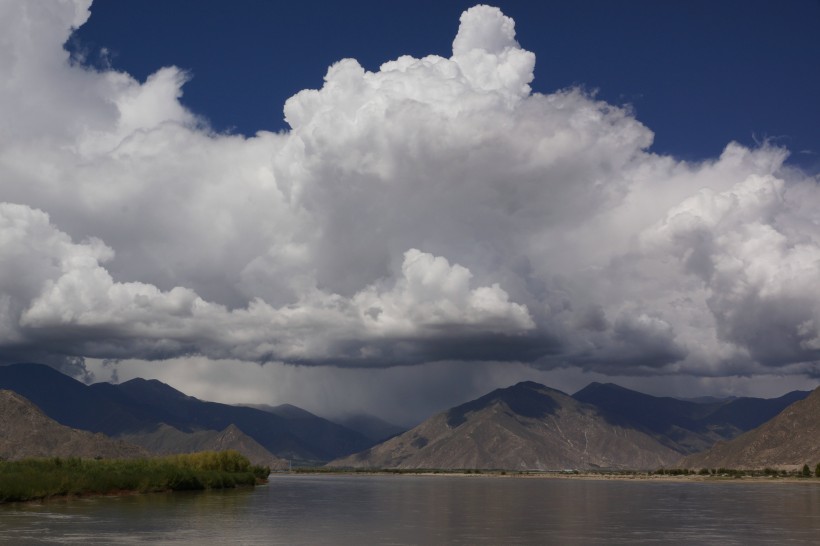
point(686, 426)
point(748, 413)
point(66, 400)
point(372, 427)
point(25, 431)
point(369, 426)
point(708, 399)
point(790, 438)
point(283, 410)
point(289, 411)
point(166, 440)
point(141, 405)
point(528, 427)
point(300, 436)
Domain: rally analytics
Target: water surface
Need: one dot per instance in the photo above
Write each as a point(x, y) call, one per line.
point(342, 510)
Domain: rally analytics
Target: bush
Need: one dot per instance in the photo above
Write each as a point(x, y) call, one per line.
point(41, 478)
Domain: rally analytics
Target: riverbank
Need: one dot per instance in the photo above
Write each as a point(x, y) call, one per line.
point(713, 475)
point(38, 479)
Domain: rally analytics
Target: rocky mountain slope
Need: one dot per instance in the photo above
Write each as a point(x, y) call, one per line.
point(166, 440)
point(141, 405)
point(525, 426)
point(300, 436)
point(25, 431)
point(528, 427)
point(791, 438)
point(684, 426)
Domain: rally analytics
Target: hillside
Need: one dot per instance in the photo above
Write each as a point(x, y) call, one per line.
point(141, 405)
point(25, 431)
point(298, 435)
point(166, 440)
point(66, 400)
point(527, 427)
point(685, 426)
point(791, 438)
point(524, 426)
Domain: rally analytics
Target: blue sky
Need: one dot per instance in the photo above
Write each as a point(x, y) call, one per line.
point(699, 73)
point(395, 207)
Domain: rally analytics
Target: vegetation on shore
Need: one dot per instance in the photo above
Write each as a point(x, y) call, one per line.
point(767, 472)
point(717, 473)
point(346, 470)
point(34, 479)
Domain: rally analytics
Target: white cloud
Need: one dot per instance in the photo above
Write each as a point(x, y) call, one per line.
point(432, 295)
point(759, 272)
point(73, 292)
point(435, 209)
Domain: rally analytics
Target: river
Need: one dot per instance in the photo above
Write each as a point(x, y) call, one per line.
point(398, 510)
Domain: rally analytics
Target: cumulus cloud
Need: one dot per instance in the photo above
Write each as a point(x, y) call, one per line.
point(436, 209)
point(757, 269)
point(78, 307)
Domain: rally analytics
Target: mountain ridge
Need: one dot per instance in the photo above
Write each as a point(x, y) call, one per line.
point(526, 425)
point(543, 429)
point(140, 405)
point(685, 426)
point(534, 427)
point(167, 440)
point(792, 438)
point(26, 431)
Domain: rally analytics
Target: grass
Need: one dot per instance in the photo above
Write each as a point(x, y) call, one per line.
point(33, 479)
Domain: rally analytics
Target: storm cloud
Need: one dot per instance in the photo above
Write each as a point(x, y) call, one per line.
point(434, 210)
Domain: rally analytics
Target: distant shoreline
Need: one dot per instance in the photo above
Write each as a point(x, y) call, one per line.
point(560, 475)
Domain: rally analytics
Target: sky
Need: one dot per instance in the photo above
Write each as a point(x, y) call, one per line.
point(394, 207)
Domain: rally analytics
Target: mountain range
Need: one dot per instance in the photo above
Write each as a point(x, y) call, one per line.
point(526, 426)
point(683, 425)
point(532, 427)
point(792, 438)
point(141, 409)
point(25, 432)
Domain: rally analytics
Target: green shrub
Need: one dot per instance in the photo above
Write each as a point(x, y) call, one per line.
point(41, 478)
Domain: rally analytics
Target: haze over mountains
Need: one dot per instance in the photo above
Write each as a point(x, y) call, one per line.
point(527, 426)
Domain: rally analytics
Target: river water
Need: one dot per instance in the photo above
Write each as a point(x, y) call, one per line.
point(349, 509)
